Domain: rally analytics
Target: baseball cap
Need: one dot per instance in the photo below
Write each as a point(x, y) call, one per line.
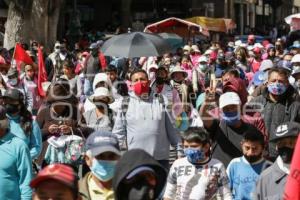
point(286, 129)
point(265, 65)
point(229, 98)
point(102, 141)
point(62, 173)
point(14, 94)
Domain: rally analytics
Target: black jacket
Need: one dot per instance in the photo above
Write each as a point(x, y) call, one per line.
point(275, 113)
point(131, 160)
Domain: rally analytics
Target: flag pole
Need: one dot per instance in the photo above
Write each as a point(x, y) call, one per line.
point(14, 54)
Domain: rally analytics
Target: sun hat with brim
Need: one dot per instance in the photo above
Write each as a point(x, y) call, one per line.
point(101, 93)
point(229, 98)
point(195, 48)
point(102, 141)
point(178, 69)
point(187, 48)
point(284, 130)
point(59, 172)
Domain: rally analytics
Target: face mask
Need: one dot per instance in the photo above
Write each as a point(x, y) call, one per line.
point(231, 118)
point(140, 88)
point(286, 154)
point(253, 159)
point(140, 190)
point(202, 67)
point(160, 80)
point(276, 88)
point(13, 82)
point(104, 170)
point(194, 155)
point(11, 109)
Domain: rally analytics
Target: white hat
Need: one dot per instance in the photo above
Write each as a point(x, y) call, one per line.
point(195, 48)
point(187, 48)
point(177, 68)
point(230, 44)
point(102, 92)
point(101, 77)
point(229, 98)
point(296, 58)
point(202, 59)
point(265, 65)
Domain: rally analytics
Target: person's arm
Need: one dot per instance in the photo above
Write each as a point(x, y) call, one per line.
point(119, 128)
point(41, 120)
point(24, 169)
point(224, 189)
point(208, 105)
point(35, 141)
point(171, 185)
point(230, 172)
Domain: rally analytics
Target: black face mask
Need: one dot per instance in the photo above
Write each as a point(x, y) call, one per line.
point(253, 159)
point(286, 154)
point(160, 80)
point(140, 190)
point(11, 109)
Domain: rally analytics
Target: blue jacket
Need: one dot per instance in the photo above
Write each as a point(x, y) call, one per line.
point(34, 140)
point(15, 169)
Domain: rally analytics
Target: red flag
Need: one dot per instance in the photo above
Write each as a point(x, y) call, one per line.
point(42, 75)
point(292, 187)
point(102, 60)
point(21, 55)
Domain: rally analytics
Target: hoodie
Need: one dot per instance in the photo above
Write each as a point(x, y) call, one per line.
point(147, 125)
point(131, 160)
point(238, 86)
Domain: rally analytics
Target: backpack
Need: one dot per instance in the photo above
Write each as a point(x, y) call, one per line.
point(74, 152)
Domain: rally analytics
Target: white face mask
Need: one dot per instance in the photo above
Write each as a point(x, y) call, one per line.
point(57, 50)
point(203, 67)
point(13, 82)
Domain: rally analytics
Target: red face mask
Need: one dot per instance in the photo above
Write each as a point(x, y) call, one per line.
point(140, 88)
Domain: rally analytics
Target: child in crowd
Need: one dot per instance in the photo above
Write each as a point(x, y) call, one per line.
point(197, 176)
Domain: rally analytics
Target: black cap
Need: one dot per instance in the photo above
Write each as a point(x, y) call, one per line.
point(14, 94)
point(286, 129)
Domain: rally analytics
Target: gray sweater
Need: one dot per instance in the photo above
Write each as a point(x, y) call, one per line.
point(147, 126)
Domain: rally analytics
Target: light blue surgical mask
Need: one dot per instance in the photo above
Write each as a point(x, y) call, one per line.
point(104, 170)
point(13, 82)
point(231, 118)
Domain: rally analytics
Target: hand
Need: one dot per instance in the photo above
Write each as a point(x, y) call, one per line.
point(65, 129)
point(52, 129)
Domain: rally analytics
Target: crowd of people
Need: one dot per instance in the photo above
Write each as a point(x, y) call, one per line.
point(218, 123)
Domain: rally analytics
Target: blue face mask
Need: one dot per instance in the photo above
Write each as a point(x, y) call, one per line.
point(194, 155)
point(104, 170)
point(277, 88)
point(231, 118)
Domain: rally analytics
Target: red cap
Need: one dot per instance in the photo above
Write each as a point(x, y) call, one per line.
point(59, 172)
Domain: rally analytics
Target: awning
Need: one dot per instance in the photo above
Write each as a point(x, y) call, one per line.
point(214, 24)
point(175, 25)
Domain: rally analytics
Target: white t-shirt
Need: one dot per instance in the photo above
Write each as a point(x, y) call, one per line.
point(197, 182)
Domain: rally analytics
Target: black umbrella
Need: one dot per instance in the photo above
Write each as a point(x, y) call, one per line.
point(136, 44)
